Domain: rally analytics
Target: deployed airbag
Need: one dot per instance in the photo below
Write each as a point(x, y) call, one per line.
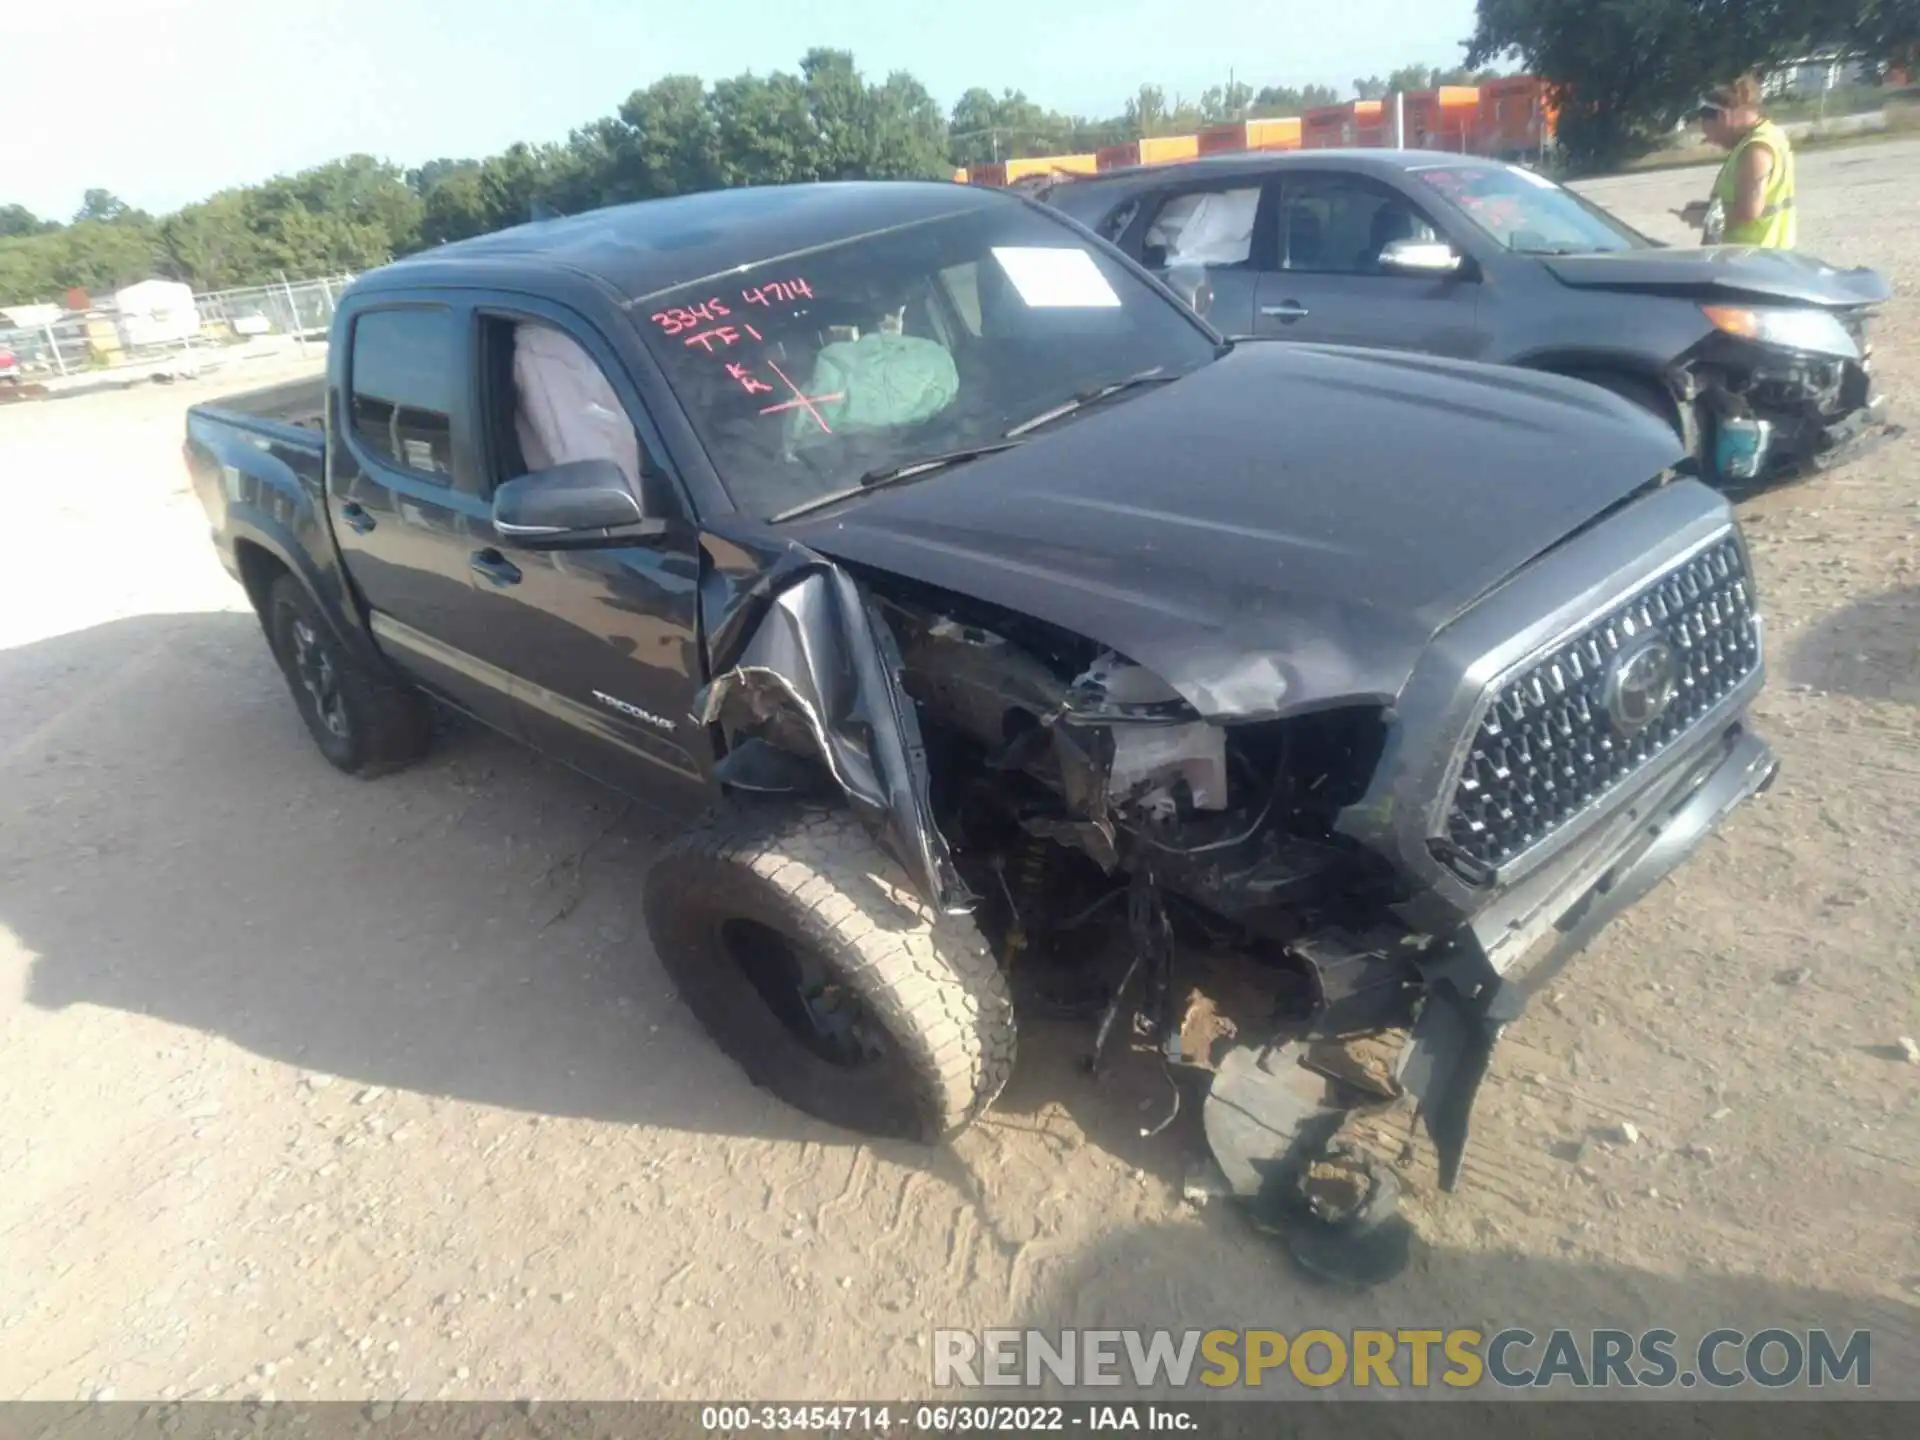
point(878, 382)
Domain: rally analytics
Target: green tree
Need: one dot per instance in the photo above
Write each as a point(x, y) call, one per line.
point(1284, 100)
point(1233, 100)
point(1624, 71)
point(764, 130)
point(456, 207)
point(910, 133)
point(211, 245)
point(17, 220)
point(671, 146)
point(108, 208)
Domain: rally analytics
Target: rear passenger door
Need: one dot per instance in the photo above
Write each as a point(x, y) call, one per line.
point(1220, 230)
point(1328, 286)
point(405, 495)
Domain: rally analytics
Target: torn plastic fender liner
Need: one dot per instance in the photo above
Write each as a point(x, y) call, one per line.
point(805, 638)
point(1464, 1010)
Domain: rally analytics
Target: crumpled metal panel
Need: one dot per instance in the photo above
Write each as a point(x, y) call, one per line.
point(802, 635)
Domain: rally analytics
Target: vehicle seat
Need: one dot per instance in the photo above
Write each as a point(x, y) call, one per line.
point(1306, 241)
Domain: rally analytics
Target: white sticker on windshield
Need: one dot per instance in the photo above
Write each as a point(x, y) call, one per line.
point(1056, 279)
point(1533, 177)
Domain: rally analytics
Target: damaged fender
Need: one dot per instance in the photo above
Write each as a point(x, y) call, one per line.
point(804, 643)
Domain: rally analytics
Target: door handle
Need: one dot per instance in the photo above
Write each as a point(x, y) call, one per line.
point(357, 518)
point(1287, 310)
point(495, 566)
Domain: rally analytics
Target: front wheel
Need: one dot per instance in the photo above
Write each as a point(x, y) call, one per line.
point(803, 951)
point(363, 722)
point(1650, 395)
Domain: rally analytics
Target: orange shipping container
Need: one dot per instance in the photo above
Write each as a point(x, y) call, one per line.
point(1008, 171)
point(1275, 134)
point(1443, 119)
point(1339, 127)
point(1154, 150)
point(1515, 116)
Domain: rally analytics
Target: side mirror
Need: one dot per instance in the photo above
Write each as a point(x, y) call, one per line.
point(581, 502)
point(1421, 257)
point(1191, 284)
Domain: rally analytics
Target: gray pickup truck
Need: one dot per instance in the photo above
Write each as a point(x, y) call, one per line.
point(1007, 634)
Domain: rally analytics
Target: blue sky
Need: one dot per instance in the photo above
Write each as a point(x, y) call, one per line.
point(164, 101)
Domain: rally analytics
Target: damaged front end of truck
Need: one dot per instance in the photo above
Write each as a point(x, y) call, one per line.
point(1255, 893)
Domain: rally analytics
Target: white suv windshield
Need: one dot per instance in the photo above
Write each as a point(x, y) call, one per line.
point(804, 374)
point(1529, 213)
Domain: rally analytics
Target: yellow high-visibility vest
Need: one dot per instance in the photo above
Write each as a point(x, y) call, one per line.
point(1777, 227)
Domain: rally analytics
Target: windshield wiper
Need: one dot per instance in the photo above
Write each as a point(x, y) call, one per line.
point(907, 469)
point(893, 474)
point(1090, 397)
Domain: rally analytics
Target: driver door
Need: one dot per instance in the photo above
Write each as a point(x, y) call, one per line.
point(600, 643)
point(1329, 288)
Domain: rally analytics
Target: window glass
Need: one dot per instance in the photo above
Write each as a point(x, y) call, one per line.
point(1115, 225)
point(1339, 226)
point(406, 370)
point(1530, 213)
point(802, 376)
point(1204, 227)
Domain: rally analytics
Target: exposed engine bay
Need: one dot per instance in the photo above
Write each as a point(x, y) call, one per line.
point(1177, 884)
point(1753, 411)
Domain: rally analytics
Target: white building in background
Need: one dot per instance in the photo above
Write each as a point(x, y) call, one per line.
point(155, 312)
point(1813, 76)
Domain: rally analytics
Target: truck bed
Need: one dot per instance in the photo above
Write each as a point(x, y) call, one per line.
point(301, 404)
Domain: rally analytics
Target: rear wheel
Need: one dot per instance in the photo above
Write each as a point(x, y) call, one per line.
point(800, 947)
point(364, 723)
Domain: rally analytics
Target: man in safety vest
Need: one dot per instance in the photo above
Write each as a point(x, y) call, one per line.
point(1752, 198)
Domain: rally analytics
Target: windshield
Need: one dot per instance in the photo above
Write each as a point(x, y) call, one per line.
point(805, 375)
point(1529, 213)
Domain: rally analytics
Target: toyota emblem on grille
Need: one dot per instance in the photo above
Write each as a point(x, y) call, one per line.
point(1641, 683)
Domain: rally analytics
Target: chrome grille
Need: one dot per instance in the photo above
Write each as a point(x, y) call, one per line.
point(1557, 737)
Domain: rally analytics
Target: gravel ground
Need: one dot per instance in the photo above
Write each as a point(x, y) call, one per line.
point(313, 1088)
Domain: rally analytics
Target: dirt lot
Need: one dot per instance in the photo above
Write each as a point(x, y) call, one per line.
point(310, 1087)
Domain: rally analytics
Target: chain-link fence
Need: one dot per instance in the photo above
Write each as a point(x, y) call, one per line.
point(300, 308)
point(298, 311)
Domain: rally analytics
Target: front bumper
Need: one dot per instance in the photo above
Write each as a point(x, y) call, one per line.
point(1480, 981)
point(1822, 411)
point(1853, 436)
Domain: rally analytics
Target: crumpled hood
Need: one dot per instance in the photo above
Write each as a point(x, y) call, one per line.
point(1282, 531)
point(1726, 270)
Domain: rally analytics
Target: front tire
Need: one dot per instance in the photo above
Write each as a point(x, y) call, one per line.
point(804, 953)
point(1654, 398)
point(364, 723)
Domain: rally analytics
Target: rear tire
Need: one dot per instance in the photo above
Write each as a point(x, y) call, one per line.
point(364, 723)
point(810, 961)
